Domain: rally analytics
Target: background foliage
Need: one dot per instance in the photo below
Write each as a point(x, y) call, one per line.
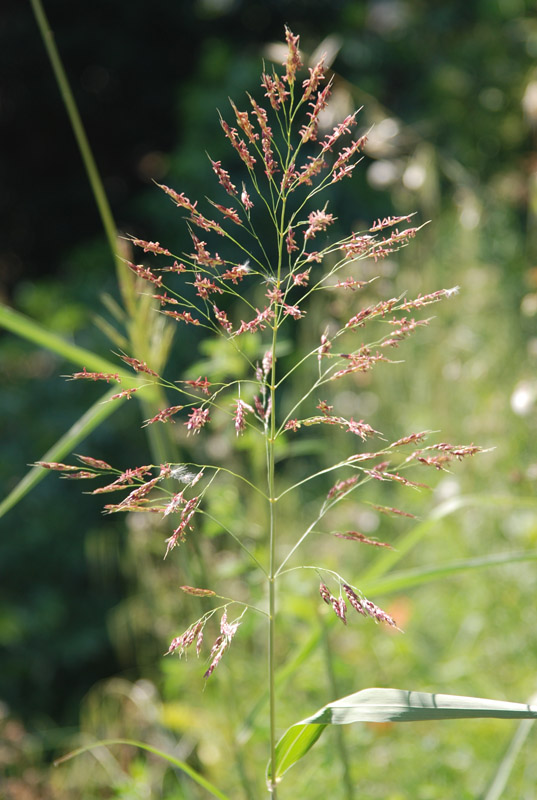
point(86, 605)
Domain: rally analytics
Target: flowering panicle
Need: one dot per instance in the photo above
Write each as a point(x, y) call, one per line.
point(287, 270)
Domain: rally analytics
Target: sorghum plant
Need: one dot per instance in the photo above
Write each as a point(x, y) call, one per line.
point(264, 291)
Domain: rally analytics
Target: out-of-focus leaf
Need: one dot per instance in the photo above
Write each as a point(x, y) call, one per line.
point(199, 779)
point(93, 417)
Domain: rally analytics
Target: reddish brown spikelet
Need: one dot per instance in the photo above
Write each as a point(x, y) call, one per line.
point(204, 287)
point(96, 463)
point(179, 534)
point(388, 222)
point(163, 416)
point(290, 241)
point(326, 346)
point(236, 273)
point(309, 131)
point(356, 536)
point(412, 437)
point(199, 383)
point(391, 510)
point(341, 487)
point(354, 600)
point(126, 393)
point(294, 62)
point(197, 592)
point(202, 257)
point(276, 91)
point(183, 316)
point(179, 199)
point(351, 283)
point(380, 309)
point(241, 409)
point(150, 247)
point(163, 299)
point(139, 366)
point(244, 123)
point(207, 224)
point(55, 465)
point(318, 221)
point(245, 199)
point(222, 318)
point(338, 131)
point(426, 299)
point(223, 177)
point(325, 594)
point(238, 144)
point(197, 419)
point(184, 641)
point(301, 278)
point(309, 171)
point(82, 475)
point(230, 213)
point(311, 84)
point(222, 643)
point(145, 273)
point(292, 311)
point(340, 608)
point(378, 614)
point(324, 407)
point(93, 376)
point(258, 323)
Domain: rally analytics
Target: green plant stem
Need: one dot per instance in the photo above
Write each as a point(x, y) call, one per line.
point(85, 151)
point(341, 747)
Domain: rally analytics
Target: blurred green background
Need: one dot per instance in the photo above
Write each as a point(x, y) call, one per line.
point(86, 605)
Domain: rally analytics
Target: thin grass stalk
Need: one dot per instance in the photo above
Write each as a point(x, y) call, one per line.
point(341, 747)
point(85, 151)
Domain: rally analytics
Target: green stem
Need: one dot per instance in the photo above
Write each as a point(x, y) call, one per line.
point(341, 748)
point(85, 149)
point(272, 527)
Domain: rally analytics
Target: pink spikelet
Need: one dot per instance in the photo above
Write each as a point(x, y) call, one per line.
point(222, 642)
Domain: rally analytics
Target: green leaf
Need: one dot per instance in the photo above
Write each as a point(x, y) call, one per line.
point(407, 579)
point(90, 420)
point(29, 329)
point(199, 779)
point(387, 705)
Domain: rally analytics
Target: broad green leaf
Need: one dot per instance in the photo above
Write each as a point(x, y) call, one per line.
point(92, 418)
point(387, 705)
point(199, 779)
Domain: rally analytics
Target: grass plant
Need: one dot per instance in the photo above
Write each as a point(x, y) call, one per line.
point(251, 302)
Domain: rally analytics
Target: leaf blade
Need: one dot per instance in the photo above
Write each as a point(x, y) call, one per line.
point(388, 705)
